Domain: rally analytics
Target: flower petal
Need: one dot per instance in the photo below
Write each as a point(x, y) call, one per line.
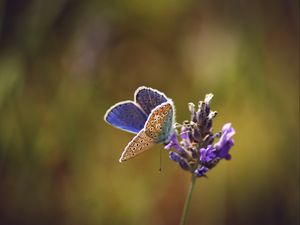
point(225, 143)
point(201, 171)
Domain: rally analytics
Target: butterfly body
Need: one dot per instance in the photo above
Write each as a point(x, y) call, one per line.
point(151, 116)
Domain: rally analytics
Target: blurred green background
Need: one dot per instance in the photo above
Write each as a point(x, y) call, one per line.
point(63, 63)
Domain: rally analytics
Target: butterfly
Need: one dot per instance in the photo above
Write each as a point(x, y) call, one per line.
point(150, 116)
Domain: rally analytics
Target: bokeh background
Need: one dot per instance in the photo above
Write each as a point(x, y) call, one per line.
point(63, 63)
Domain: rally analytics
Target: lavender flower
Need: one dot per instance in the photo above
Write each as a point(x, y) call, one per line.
point(196, 152)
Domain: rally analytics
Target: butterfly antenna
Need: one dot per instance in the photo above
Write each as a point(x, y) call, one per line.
point(160, 160)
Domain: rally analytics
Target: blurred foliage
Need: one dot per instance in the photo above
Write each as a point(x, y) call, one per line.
point(64, 62)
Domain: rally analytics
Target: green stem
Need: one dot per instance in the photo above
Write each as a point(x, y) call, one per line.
point(188, 201)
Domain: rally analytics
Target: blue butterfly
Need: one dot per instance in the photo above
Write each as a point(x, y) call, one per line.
point(150, 116)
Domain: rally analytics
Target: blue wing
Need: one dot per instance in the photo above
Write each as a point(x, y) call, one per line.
point(126, 116)
point(149, 98)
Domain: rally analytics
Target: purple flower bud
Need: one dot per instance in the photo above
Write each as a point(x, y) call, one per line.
point(200, 171)
point(212, 115)
point(207, 109)
point(196, 134)
point(177, 158)
point(185, 133)
point(193, 112)
point(194, 151)
point(208, 125)
point(208, 98)
point(209, 139)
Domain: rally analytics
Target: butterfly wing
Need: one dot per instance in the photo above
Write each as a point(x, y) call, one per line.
point(140, 143)
point(158, 129)
point(159, 125)
point(126, 116)
point(149, 98)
